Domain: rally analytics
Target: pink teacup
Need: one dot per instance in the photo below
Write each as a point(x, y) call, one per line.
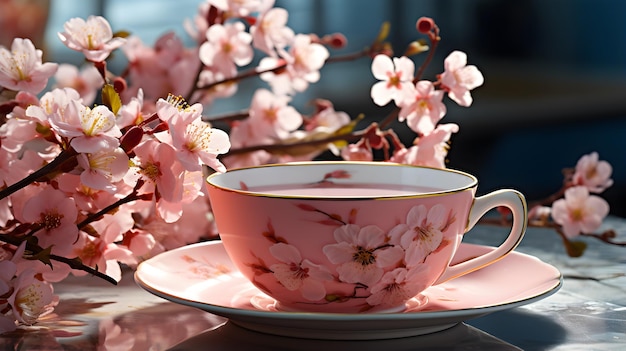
point(352, 237)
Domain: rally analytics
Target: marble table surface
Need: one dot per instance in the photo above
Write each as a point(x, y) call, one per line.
point(587, 313)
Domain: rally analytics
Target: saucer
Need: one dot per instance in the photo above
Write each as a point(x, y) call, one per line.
point(203, 276)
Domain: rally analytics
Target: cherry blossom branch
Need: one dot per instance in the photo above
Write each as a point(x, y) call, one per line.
point(44, 255)
point(64, 156)
point(131, 197)
point(349, 137)
point(254, 72)
point(573, 248)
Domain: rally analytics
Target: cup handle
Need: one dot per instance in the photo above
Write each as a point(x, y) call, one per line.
point(516, 202)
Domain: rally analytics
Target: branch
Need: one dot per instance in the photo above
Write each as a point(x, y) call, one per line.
point(36, 250)
point(33, 177)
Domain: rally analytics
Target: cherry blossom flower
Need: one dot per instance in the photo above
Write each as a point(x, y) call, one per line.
point(157, 235)
point(398, 286)
point(55, 214)
point(131, 114)
point(21, 69)
point(429, 150)
point(422, 233)
point(326, 118)
point(424, 108)
point(86, 198)
point(240, 7)
point(271, 32)
point(31, 298)
point(296, 273)
point(196, 143)
point(272, 116)
point(156, 163)
point(362, 253)
point(86, 81)
point(593, 173)
point(578, 212)
point(103, 168)
point(102, 252)
point(396, 79)
point(93, 37)
point(91, 130)
point(458, 78)
point(226, 46)
point(55, 101)
point(360, 151)
point(303, 61)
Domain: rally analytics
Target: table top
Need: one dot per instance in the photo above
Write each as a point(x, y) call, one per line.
point(587, 313)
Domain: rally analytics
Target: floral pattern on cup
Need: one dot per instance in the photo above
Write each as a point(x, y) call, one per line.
point(378, 265)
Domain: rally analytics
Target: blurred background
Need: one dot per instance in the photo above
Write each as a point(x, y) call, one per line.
point(555, 72)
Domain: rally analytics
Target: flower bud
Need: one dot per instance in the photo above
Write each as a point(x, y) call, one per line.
point(335, 40)
point(131, 138)
point(425, 25)
point(119, 84)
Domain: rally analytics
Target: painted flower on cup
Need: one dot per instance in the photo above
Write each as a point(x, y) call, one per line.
point(422, 233)
point(398, 286)
point(362, 253)
point(295, 272)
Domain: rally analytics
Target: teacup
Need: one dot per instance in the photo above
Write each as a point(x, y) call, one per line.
point(352, 237)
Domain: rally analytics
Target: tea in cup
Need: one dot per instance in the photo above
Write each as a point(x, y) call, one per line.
point(352, 237)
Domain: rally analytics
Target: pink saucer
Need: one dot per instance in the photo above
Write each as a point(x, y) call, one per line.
point(203, 276)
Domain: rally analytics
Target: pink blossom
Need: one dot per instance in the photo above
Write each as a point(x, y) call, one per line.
point(424, 109)
point(86, 82)
point(395, 79)
point(31, 298)
point(296, 273)
point(177, 107)
point(21, 69)
point(271, 31)
point(55, 101)
point(241, 7)
point(56, 215)
point(357, 152)
point(131, 114)
point(272, 116)
point(429, 150)
point(94, 37)
point(362, 253)
point(102, 252)
point(211, 75)
point(196, 143)
point(326, 119)
point(91, 130)
point(102, 169)
point(86, 198)
point(459, 78)
point(172, 211)
point(156, 163)
point(578, 212)
point(592, 173)
point(226, 46)
point(422, 233)
point(303, 61)
point(398, 286)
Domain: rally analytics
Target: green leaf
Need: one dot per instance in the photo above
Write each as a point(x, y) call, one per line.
point(111, 98)
point(43, 256)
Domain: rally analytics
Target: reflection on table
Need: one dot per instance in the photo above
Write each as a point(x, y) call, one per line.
point(588, 313)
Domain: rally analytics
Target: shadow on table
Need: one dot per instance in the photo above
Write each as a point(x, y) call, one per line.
point(232, 337)
point(526, 330)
